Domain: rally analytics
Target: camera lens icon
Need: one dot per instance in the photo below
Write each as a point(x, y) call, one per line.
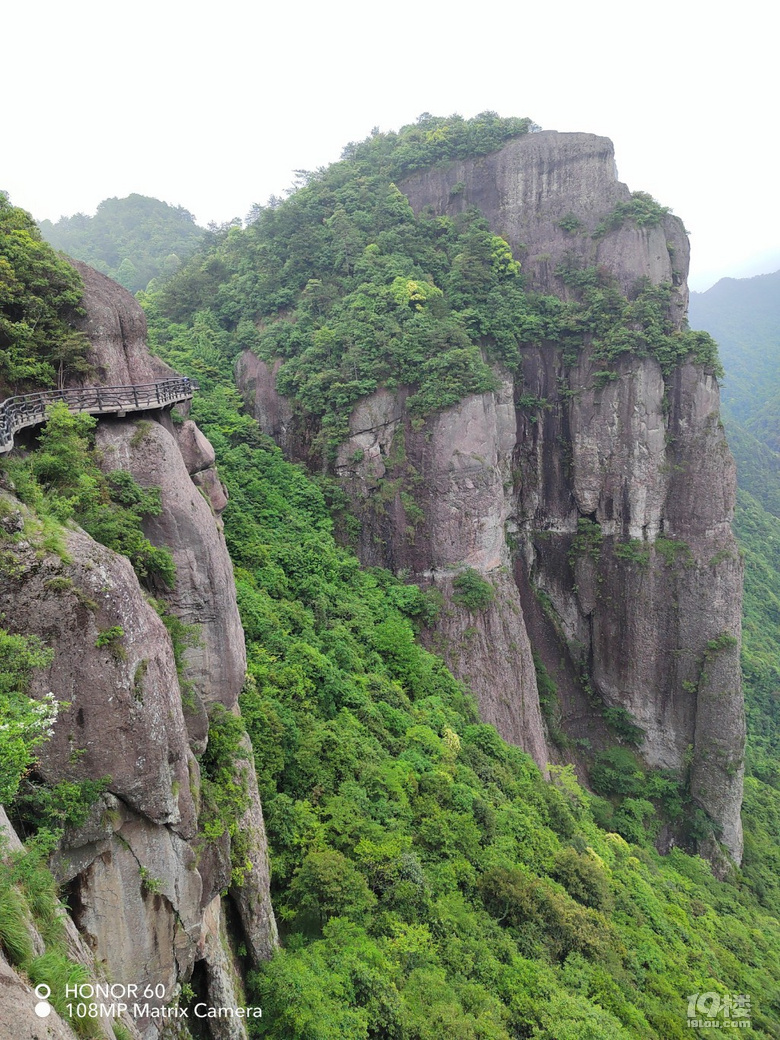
point(43, 1007)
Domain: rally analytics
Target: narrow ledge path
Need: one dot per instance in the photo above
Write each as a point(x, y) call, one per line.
point(16, 413)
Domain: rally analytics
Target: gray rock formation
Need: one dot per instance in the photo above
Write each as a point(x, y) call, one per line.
point(113, 672)
point(637, 607)
point(600, 514)
point(457, 468)
point(145, 887)
point(116, 328)
point(135, 894)
point(196, 452)
point(132, 875)
point(258, 384)
point(531, 184)
point(204, 594)
point(252, 898)
point(139, 877)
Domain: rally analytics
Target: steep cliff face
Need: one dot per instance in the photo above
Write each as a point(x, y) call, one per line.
point(432, 502)
point(597, 505)
point(532, 184)
point(121, 720)
point(145, 884)
point(124, 706)
point(116, 328)
point(624, 502)
point(204, 594)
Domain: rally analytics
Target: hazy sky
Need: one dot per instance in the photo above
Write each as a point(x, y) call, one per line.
point(212, 106)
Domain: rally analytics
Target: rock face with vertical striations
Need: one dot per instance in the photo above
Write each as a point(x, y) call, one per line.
point(204, 595)
point(598, 507)
point(459, 465)
point(624, 502)
point(532, 185)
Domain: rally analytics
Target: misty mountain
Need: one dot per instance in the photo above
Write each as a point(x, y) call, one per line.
point(133, 240)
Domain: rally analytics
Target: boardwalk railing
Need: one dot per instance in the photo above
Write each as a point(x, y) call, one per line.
point(29, 409)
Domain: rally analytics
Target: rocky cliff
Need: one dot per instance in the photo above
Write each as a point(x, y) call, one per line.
point(548, 195)
point(145, 884)
point(115, 326)
point(595, 504)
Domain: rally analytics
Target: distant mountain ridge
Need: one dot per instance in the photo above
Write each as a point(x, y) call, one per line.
point(743, 314)
point(133, 240)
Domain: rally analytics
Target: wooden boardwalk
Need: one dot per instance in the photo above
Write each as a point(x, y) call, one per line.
point(30, 409)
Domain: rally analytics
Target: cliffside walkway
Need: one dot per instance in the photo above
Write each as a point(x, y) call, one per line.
point(30, 409)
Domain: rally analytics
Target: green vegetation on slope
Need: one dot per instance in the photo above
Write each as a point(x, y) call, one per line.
point(28, 896)
point(759, 536)
point(641, 208)
point(352, 290)
point(641, 326)
point(40, 294)
point(428, 881)
point(133, 240)
point(25, 722)
point(62, 481)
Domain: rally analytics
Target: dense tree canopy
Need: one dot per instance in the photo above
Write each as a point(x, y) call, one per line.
point(133, 240)
point(40, 295)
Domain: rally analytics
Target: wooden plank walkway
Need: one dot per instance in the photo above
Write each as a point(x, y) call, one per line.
point(30, 409)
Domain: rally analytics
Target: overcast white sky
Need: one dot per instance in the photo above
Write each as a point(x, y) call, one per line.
point(212, 106)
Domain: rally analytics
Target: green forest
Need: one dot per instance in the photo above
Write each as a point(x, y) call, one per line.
point(135, 240)
point(40, 295)
point(427, 880)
